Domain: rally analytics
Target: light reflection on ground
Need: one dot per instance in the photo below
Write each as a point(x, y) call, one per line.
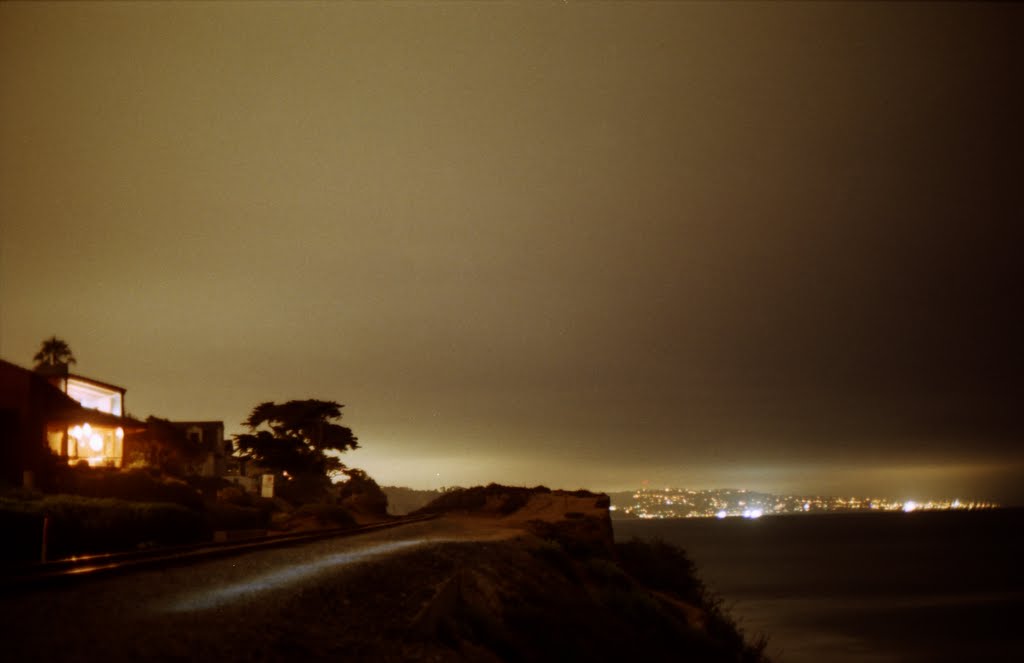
point(213, 598)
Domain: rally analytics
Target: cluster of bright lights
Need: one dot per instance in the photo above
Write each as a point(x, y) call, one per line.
point(746, 513)
point(85, 435)
point(725, 503)
point(88, 437)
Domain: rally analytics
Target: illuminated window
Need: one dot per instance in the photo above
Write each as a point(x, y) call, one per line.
point(99, 446)
point(94, 396)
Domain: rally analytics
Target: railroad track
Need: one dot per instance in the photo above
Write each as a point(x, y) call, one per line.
point(73, 569)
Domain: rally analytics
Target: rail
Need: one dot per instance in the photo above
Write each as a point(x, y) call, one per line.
point(72, 569)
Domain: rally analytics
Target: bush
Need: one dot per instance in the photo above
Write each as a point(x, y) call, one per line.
point(234, 495)
point(552, 553)
point(208, 487)
point(472, 499)
point(133, 485)
point(302, 489)
point(225, 516)
point(667, 568)
point(362, 494)
point(581, 538)
point(661, 566)
point(326, 514)
point(80, 525)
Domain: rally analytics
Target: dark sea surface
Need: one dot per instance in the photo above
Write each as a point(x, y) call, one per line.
point(914, 587)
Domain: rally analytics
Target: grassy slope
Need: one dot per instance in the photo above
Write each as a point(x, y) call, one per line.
point(562, 590)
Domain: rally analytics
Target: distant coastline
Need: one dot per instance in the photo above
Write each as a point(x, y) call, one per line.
point(733, 503)
point(721, 503)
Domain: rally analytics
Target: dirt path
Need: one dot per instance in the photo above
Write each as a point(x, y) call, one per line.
point(258, 605)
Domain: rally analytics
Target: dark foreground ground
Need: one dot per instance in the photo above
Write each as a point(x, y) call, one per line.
point(536, 584)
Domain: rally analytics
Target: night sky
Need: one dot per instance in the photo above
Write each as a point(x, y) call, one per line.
point(765, 246)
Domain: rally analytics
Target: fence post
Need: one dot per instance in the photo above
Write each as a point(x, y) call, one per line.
point(46, 534)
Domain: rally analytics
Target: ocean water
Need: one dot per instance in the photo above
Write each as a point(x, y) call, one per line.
point(923, 587)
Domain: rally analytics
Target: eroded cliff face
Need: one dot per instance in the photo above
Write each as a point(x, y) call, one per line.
point(556, 588)
point(579, 520)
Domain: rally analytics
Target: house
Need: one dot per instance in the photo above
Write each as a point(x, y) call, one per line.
point(98, 441)
point(39, 413)
point(208, 436)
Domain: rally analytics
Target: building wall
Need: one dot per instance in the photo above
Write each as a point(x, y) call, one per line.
point(209, 435)
point(30, 408)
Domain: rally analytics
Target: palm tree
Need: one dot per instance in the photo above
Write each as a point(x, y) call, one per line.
point(53, 352)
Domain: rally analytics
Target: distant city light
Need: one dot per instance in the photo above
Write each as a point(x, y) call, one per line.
point(724, 503)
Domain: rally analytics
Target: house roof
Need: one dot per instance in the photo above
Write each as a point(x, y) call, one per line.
point(19, 383)
point(58, 406)
point(105, 385)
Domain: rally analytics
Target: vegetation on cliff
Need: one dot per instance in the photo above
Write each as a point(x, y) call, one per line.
point(561, 589)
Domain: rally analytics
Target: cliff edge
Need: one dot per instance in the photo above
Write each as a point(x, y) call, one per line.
point(545, 581)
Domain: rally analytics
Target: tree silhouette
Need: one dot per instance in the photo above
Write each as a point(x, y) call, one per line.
point(53, 352)
point(294, 437)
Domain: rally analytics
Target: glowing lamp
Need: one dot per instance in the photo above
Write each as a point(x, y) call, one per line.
point(119, 432)
point(96, 442)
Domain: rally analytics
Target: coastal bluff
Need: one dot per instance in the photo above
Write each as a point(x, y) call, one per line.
point(536, 575)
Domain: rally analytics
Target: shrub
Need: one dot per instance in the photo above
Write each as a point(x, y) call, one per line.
point(661, 566)
point(475, 498)
point(88, 525)
point(667, 568)
point(362, 494)
point(606, 572)
point(514, 501)
point(208, 487)
point(133, 485)
point(225, 516)
point(326, 514)
point(234, 495)
point(581, 538)
point(302, 489)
